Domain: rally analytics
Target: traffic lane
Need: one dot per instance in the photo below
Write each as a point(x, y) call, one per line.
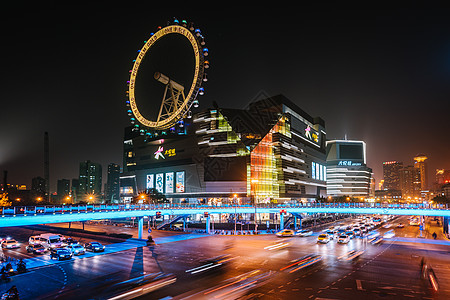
point(376, 278)
point(344, 280)
point(22, 235)
point(276, 260)
point(179, 256)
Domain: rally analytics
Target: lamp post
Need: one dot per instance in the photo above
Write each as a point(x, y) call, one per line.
point(235, 215)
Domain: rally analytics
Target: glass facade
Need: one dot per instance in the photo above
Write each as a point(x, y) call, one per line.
point(265, 167)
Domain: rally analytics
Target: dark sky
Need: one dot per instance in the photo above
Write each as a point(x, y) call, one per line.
point(378, 75)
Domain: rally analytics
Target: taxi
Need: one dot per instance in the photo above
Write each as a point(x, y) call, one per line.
point(285, 233)
point(323, 238)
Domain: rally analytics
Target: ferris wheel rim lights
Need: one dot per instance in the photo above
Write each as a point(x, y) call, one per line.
point(196, 41)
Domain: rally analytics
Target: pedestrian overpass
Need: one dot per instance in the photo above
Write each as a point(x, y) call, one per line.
point(33, 215)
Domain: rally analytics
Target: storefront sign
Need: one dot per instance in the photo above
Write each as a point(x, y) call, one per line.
point(348, 163)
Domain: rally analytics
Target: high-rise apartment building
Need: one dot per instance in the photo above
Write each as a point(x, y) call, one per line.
point(113, 183)
point(89, 181)
point(391, 175)
point(442, 176)
point(420, 163)
point(38, 187)
point(63, 190)
point(410, 182)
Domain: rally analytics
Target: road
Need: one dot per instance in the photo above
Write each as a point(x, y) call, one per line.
point(390, 270)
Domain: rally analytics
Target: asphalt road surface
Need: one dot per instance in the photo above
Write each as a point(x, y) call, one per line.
point(390, 270)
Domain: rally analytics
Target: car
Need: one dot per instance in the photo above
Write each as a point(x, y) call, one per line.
point(68, 241)
point(343, 239)
point(357, 231)
point(303, 232)
point(340, 231)
point(36, 249)
point(10, 244)
point(285, 232)
point(76, 249)
point(350, 234)
point(94, 247)
point(400, 225)
point(60, 253)
point(323, 238)
point(331, 234)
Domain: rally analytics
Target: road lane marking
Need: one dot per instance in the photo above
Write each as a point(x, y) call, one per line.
point(359, 285)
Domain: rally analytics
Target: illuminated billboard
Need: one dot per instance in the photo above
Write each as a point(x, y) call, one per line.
point(180, 182)
point(318, 171)
point(150, 179)
point(169, 182)
point(159, 182)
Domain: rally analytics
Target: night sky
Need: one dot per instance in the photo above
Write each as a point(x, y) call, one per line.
point(381, 76)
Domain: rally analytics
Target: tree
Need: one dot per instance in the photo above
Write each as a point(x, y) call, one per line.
point(441, 200)
point(4, 201)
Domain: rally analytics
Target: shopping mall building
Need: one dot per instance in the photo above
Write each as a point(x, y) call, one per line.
point(272, 151)
point(347, 171)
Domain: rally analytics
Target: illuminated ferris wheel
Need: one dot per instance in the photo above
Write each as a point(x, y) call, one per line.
point(176, 98)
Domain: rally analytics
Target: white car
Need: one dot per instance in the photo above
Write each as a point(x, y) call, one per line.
point(303, 232)
point(76, 249)
point(10, 244)
point(343, 239)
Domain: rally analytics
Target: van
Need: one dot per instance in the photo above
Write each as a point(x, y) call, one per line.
point(48, 240)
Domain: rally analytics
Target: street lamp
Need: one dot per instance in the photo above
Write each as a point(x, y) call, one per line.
point(235, 214)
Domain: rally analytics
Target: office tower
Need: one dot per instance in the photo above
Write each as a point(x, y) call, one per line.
point(89, 181)
point(112, 183)
point(421, 165)
point(391, 175)
point(347, 173)
point(410, 183)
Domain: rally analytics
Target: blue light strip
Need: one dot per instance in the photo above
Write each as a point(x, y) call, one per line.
point(33, 219)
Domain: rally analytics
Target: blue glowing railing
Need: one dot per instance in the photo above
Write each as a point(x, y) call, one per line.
point(92, 208)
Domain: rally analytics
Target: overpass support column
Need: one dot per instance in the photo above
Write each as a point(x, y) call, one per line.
point(184, 224)
point(281, 221)
point(208, 224)
point(140, 227)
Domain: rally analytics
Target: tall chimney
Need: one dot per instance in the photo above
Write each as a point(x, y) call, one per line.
point(46, 167)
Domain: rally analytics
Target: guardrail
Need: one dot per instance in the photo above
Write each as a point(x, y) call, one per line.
point(62, 209)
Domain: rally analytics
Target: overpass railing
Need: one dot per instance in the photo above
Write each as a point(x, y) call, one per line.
point(92, 208)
